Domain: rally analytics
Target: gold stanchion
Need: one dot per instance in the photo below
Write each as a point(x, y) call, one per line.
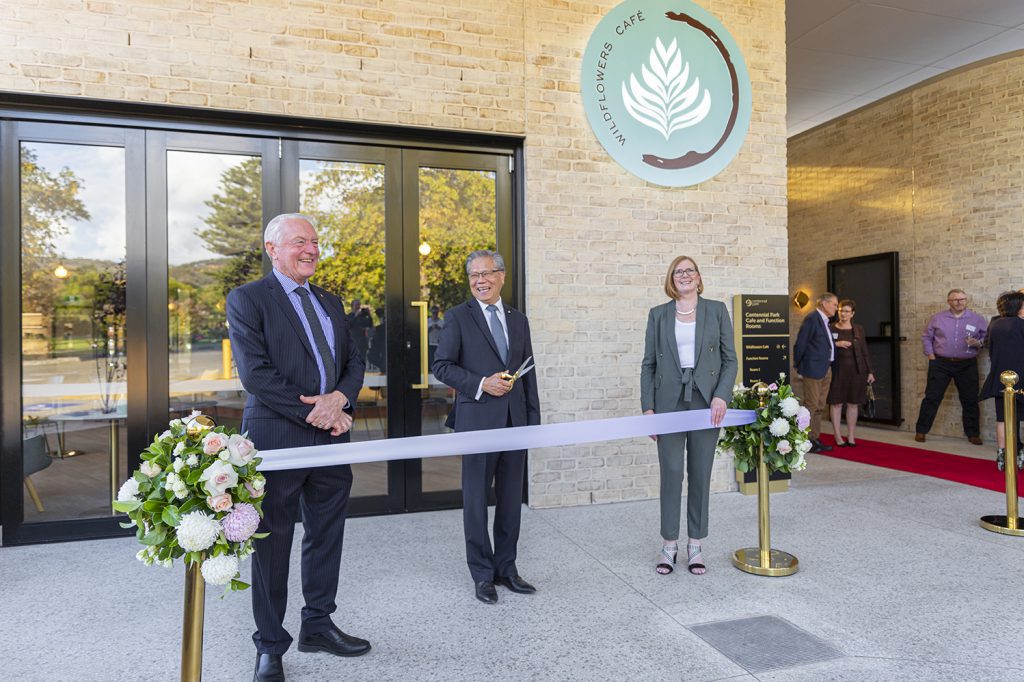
point(1010, 524)
point(192, 625)
point(763, 560)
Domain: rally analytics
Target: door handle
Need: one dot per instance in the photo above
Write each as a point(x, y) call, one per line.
point(424, 370)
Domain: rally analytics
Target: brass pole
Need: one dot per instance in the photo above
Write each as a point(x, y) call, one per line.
point(763, 560)
point(192, 625)
point(763, 518)
point(1011, 524)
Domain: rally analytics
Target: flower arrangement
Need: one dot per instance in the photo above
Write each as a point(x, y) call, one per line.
point(782, 424)
point(197, 494)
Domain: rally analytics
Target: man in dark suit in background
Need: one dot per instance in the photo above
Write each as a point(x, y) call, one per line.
point(297, 361)
point(480, 341)
point(813, 354)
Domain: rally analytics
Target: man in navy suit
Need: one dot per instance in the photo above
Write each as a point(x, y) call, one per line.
point(302, 373)
point(813, 354)
point(481, 340)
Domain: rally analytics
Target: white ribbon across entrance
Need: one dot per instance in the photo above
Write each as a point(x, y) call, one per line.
point(510, 438)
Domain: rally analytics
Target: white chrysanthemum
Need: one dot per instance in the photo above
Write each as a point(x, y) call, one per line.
point(129, 491)
point(197, 531)
point(789, 406)
point(219, 570)
point(779, 427)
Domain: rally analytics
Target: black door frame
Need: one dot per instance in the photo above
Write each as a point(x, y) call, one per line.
point(893, 339)
point(145, 130)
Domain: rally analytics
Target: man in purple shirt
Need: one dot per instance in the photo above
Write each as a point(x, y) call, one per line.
point(951, 342)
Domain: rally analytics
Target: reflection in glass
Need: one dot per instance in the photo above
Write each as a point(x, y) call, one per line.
point(214, 244)
point(458, 215)
point(74, 364)
point(347, 202)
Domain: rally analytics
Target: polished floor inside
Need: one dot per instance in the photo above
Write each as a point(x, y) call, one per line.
point(897, 582)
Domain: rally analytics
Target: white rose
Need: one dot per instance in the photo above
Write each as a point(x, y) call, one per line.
point(783, 447)
point(790, 406)
point(214, 442)
point(129, 491)
point(241, 449)
point(218, 477)
point(150, 469)
point(779, 427)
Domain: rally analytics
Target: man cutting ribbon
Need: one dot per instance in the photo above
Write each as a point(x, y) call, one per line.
point(481, 339)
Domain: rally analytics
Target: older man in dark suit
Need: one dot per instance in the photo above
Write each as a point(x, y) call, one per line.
point(480, 341)
point(813, 354)
point(302, 372)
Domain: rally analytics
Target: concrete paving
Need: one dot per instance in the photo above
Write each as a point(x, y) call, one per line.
point(895, 573)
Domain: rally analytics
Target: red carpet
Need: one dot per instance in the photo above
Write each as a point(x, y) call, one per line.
point(977, 472)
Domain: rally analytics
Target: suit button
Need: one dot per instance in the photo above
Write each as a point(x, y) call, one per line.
point(712, 372)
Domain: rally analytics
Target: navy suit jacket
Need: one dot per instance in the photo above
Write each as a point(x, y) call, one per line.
point(466, 353)
point(276, 364)
point(812, 349)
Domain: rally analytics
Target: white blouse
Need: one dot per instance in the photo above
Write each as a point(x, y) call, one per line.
point(686, 338)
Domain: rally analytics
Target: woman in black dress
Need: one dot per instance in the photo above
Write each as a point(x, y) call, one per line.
point(851, 372)
point(1007, 353)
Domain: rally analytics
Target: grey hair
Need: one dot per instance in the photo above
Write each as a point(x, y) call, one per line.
point(826, 296)
point(273, 232)
point(499, 262)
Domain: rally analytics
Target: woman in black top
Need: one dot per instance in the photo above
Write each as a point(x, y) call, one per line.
point(851, 372)
point(1007, 353)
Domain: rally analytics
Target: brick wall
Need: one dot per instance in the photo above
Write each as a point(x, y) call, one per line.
point(934, 173)
point(598, 239)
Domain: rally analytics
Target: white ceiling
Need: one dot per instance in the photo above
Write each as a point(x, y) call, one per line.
point(843, 54)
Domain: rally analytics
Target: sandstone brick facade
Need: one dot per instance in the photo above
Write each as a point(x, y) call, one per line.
point(934, 173)
point(598, 239)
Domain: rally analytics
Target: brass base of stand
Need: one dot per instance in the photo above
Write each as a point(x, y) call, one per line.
point(1000, 524)
point(779, 564)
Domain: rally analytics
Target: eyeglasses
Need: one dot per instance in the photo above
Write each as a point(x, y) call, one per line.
point(958, 300)
point(688, 272)
point(846, 310)
point(474, 276)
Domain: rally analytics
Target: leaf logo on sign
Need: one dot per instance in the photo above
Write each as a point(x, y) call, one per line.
point(666, 104)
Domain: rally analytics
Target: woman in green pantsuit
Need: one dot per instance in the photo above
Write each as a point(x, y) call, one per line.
point(689, 364)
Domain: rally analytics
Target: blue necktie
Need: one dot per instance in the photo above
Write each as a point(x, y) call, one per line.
point(498, 333)
point(318, 337)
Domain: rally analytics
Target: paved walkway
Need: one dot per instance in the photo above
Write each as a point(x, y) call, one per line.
point(896, 577)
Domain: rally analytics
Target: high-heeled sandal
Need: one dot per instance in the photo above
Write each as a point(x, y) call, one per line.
point(692, 552)
point(1001, 459)
point(668, 554)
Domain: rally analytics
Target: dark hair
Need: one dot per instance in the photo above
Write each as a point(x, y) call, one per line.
point(1009, 303)
point(848, 302)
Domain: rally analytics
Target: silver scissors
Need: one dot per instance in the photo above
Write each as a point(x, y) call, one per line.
point(523, 369)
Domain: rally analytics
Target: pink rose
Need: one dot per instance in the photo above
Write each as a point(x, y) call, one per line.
point(241, 450)
point(219, 503)
point(214, 442)
point(253, 492)
point(803, 418)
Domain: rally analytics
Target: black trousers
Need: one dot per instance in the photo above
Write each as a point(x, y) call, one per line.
point(320, 495)
point(506, 470)
point(940, 372)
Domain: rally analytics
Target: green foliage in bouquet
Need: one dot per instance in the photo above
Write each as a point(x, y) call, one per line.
point(782, 423)
point(196, 495)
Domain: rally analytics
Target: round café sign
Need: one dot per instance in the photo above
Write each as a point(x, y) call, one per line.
point(666, 91)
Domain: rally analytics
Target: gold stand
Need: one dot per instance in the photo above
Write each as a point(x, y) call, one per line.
point(192, 625)
point(1010, 524)
point(763, 560)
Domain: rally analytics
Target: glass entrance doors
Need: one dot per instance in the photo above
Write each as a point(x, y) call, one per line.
point(127, 241)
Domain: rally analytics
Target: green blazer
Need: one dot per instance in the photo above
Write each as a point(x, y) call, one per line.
point(714, 373)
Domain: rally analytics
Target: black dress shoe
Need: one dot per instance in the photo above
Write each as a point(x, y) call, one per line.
point(515, 583)
point(818, 446)
point(269, 668)
point(486, 593)
point(333, 641)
